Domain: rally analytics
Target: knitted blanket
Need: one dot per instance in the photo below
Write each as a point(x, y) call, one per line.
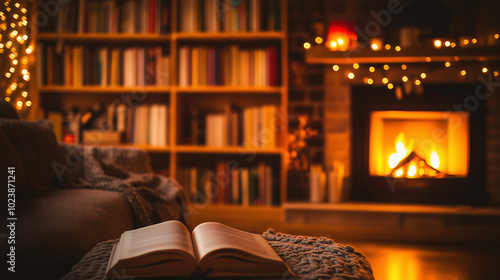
point(308, 257)
point(153, 198)
point(319, 257)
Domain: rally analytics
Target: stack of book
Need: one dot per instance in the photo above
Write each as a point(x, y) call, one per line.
point(229, 66)
point(251, 127)
point(229, 15)
point(144, 124)
point(229, 184)
point(83, 65)
point(110, 16)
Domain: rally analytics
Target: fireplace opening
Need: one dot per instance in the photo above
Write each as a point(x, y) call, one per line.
point(426, 149)
point(419, 144)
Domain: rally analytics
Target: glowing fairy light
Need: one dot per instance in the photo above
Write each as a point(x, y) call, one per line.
point(335, 68)
point(307, 45)
point(385, 80)
point(423, 75)
point(350, 75)
point(371, 69)
point(355, 66)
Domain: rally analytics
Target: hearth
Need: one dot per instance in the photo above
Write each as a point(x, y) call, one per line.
point(427, 148)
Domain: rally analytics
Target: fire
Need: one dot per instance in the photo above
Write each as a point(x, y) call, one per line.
point(434, 160)
point(406, 162)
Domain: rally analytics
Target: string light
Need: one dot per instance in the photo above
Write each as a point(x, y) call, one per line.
point(428, 59)
point(397, 48)
point(385, 80)
point(355, 66)
point(417, 82)
point(14, 44)
point(423, 75)
point(387, 47)
point(404, 67)
point(405, 79)
point(463, 72)
point(371, 69)
point(495, 73)
point(386, 67)
point(318, 40)
point(437, 43)
point(496, 36)
point(484, 70)
point(307, 45)
point(390, 86)
point(350, 75)
point(447, 43)
point(335, 68)
point(447, 64)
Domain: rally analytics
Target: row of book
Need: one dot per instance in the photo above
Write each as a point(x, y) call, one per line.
point(144, 124)
point(229, 184)
point(108, 16)
point(229, 15)
point(230, 66)
point(251, 127)
point(78, 65)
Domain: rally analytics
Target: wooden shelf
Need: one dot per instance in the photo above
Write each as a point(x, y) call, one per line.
point(321, 55)
point(228, 36)
point(103, 89)
point(226, 150)
point(229, 89)
point(104, 37)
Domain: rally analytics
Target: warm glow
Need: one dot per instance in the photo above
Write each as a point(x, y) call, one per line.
point(485, 69)
point(404, 67)
point(371, 69)
point(385, 80)
point(463, 72)
point(333, 44)
point(474, 40)
point(447, 43)
point(466, 41)
point(307, 45)
point(417, 82)
point(447, 64)
point(375, 47)
point(423, 75)
point(390, 86)
point(386, 67)
point(335, 68)
point(355, 66)
point(340, 41)
point(387, 47)
point(419, 144)
point(496, 36)
point(434, 160)
point(399, 172)
point(428, 59)
point(397, 48)
point(318, 40)
point(495, 73)
point(350, 75)
point(453, 44)
point(405, 79)
point(412, 171)
point(437, 43)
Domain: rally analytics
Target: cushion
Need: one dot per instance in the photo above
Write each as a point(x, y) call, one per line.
point(37, 150)
point(57, 227)
point(10, 158)
point(6, 110)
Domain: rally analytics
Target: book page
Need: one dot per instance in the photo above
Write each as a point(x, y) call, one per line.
point(170, 235)
point(212, 236)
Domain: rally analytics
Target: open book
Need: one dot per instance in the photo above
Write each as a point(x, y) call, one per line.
point(168, 249)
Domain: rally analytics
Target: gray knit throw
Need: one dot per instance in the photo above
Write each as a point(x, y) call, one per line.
point(319, 257)
point(307, 257)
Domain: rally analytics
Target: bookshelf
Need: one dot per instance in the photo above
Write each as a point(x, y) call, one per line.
point(263, 31)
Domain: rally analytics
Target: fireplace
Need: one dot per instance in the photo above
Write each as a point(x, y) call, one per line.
point(426, 149)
